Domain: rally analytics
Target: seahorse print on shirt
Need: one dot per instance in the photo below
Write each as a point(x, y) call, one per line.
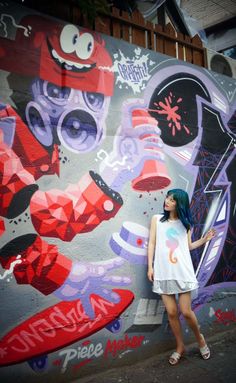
point(172, 243)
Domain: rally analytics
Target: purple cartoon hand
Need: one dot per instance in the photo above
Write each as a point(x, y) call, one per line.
point(88, 278)
point(137, 140)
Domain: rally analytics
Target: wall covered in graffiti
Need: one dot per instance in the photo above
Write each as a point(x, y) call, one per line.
point(93, 132)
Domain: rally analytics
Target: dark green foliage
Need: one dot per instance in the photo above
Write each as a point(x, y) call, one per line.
point(91, 8)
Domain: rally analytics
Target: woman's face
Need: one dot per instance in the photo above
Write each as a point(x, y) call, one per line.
point(170, 203)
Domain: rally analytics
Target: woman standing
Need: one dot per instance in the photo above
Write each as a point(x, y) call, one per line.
point(170, 266)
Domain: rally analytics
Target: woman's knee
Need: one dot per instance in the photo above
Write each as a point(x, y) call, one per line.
point(187, 313)
point(172, 312)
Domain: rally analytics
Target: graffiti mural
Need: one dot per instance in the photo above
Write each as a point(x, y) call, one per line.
point(93, 131)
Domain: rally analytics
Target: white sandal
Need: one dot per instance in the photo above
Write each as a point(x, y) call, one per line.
point(175, 358)
point(205, 351)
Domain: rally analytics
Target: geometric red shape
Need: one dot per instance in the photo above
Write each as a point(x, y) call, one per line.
point(153, 177)
point(34, 157)
point(154, 173)
point(2, 226)
point(78, 209)
point(43, 267)
point(13, 177)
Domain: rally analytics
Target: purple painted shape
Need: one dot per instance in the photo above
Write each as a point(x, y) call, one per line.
point(8, 127)
point(208, 266)
point(206, 293)
point(87, 278)
point(134, 234)
point(78, 117)
point(127, 251)
point(218, 179)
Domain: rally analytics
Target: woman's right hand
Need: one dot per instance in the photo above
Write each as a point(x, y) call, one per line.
point(150, 274)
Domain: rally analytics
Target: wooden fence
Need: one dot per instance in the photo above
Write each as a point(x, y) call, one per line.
point(134, 29)
point(131, 28)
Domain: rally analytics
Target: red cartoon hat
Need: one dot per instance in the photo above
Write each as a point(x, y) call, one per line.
point(63, 54)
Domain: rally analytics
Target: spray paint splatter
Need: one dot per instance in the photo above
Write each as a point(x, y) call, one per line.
point(170, 108)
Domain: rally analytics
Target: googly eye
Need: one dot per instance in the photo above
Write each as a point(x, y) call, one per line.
point(78, 131)
point(94, 101)
point(85, 46)
point(69, 38)
point(56, 92)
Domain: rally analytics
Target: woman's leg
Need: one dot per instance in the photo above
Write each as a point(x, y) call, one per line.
point(172, 311)
point(190, 317)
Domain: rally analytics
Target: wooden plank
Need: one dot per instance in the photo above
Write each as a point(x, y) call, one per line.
point(85, 22)
point(205, 63)
point(115, 12)
point(170, 44)
point(138, 34)
point(197, 41)
point(159, 38)
point(188, 51)
point(76, 15)
point(63, 10)
point(115, 23)
point(198, 56)
point(102, 24)
point(181, 55)
point(138, 37)
point(125, 27)
point(150, 35)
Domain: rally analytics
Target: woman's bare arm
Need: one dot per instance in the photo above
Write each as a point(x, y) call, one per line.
point(207, 237)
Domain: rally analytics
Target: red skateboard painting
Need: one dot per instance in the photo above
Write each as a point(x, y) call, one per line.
point(59, 326)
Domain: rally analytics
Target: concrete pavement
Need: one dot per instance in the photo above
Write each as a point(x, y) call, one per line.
point(220, 368)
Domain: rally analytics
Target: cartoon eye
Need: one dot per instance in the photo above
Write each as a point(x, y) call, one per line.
point(94, 101)
point(85, 46)
point(54, 91)
point(69, 38)
point(78, 131)
point(56, 94)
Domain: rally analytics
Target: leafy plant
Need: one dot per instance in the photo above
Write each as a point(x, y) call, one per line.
point(91, 8)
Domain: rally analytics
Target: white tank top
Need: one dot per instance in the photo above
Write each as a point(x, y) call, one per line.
point(172, 259)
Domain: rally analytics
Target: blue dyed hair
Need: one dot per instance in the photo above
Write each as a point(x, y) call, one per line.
point(182, 207)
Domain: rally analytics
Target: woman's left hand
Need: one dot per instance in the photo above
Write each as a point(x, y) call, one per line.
point(209, 235)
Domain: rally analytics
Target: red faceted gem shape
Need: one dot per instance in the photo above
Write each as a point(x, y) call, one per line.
point(13, 177)
point(43, 267)
point(2, 226)
point(78, 209)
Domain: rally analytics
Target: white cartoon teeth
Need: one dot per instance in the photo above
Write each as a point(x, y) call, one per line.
point(69, 65)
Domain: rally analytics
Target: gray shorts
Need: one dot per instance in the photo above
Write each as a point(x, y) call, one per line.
point(170, 287)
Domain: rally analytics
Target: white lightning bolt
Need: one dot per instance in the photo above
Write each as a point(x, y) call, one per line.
point(104, 156)
point(10, 270)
